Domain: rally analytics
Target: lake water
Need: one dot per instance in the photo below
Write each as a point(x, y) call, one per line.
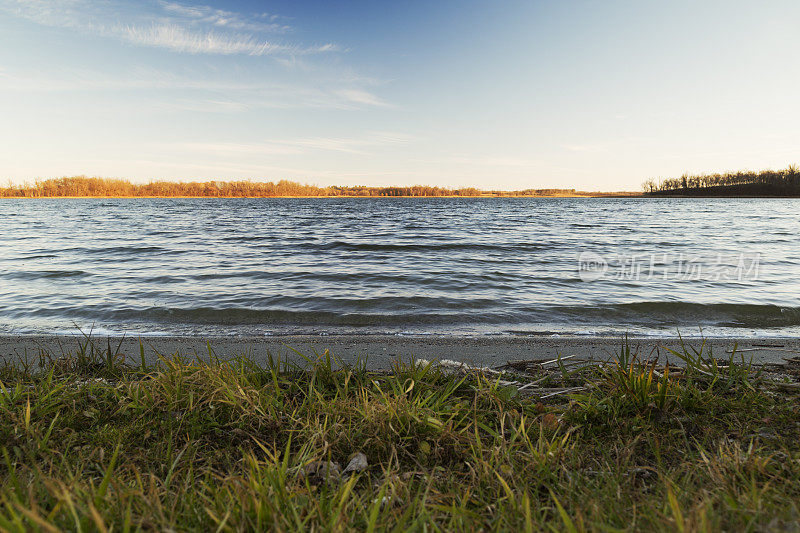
point(401, 266)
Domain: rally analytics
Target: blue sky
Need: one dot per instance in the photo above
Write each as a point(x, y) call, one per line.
point(505, 94)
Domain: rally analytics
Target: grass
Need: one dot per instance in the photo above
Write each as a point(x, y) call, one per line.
point(93, 443)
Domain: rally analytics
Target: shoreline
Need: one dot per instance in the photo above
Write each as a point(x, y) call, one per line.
point(381, 351)
point(587, 195)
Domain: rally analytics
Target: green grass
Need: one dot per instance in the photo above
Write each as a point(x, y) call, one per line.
point(91, 443)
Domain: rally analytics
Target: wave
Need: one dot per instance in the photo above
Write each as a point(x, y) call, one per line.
point(654, 313)
point(117, 250)
point(411, 247)
point(30, 275)
point(282, 317)
point(456, 282)
point(32, 257)
point(441, 314)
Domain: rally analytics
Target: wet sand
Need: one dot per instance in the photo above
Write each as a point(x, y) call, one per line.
point(381, 351)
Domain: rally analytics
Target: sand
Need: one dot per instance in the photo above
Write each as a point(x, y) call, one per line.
point(381, 351)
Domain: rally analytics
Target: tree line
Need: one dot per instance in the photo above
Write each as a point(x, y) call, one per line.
point(784, 182)
point(82, 186)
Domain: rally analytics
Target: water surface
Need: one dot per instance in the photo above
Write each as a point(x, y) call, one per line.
point(452, 266)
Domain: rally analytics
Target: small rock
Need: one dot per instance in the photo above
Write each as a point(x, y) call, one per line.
point(642, 472)
point(387, 501)
point(357, 464)
point(318, 471)
point(239, 433)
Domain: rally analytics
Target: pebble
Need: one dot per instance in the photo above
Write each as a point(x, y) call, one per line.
point(357, 464)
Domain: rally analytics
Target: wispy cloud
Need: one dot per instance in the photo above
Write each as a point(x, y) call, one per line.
point(192, 90)
point(195, 29)
point(594, 148)
point(360, 96)
point(181, 39)
point(296, 77)
point(604, 146)
point(259, 22)
point(261, 171)
point(492, 161)
point(357, 146)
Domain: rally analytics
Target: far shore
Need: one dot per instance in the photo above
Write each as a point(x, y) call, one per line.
point(576, 195)
point(96, 187)
point(621, 194)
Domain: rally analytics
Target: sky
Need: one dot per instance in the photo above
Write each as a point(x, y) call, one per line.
point(497, 94)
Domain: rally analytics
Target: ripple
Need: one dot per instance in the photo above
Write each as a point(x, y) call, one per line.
point(485, 265)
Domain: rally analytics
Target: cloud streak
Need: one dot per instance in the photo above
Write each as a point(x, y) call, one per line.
point(180, 39)
point(355, 146)
point(192, 90)
point(183, 28)
point(360, 96)
point(261, 22)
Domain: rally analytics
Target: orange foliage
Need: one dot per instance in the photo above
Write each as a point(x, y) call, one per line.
point(82, 186)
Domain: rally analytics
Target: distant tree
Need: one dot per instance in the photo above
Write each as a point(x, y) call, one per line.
point(649, 185)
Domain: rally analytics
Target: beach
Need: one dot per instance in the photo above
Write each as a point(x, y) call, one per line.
point(380, 351)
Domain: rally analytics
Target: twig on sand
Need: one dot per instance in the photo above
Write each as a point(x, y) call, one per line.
point(533, 383)
point(559, 359)
point(523, 365)
point(762, 348)
point(450, 366)
point(563, 391)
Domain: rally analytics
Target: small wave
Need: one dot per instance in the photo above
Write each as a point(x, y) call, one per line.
point(118, 250)
point(687, 314)
point(31, 257)
point(412, 247)
point(249, 238)
point(441, 314)
point(30, 275)
point(441, 281)
point(283, 317)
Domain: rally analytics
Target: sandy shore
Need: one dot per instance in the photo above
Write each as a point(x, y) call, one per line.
point(381, 351)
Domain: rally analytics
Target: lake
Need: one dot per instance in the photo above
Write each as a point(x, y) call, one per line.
point(538, 266)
